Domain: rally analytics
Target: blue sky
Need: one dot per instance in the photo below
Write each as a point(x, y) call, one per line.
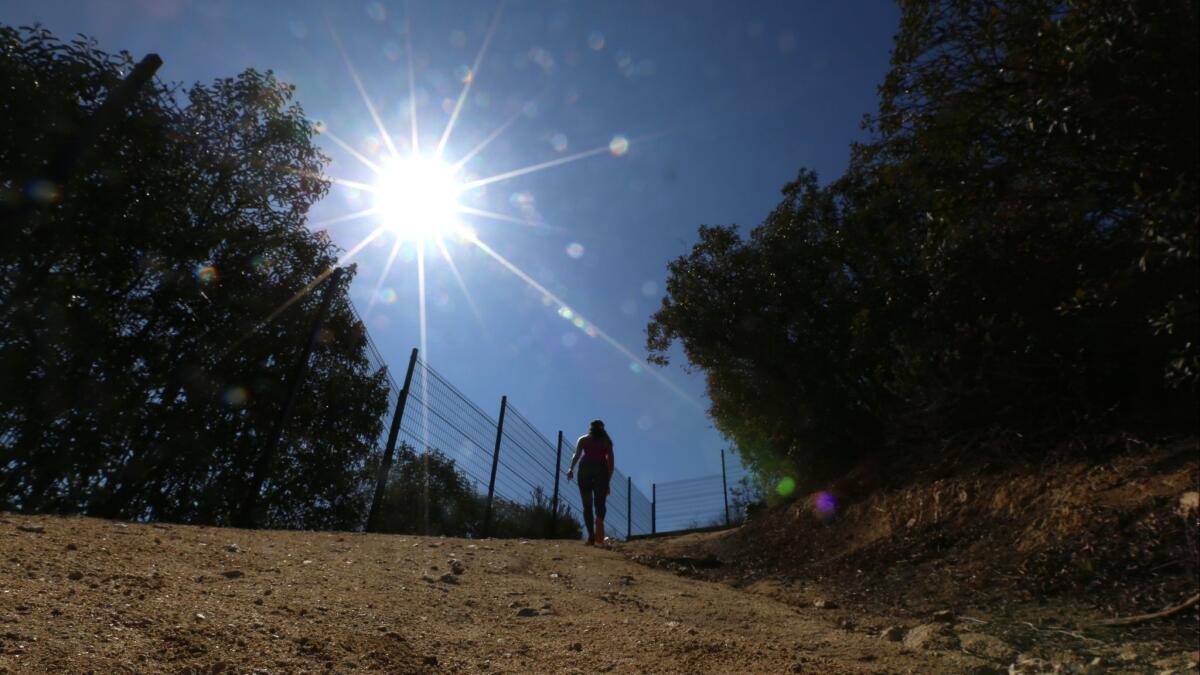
point(721, 104)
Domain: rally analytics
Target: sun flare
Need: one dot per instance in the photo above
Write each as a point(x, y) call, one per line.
point(417, 199)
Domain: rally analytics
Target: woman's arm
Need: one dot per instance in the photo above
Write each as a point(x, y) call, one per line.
point(575, 458)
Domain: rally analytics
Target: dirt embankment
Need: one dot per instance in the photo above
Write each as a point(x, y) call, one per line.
point(1037, 556)
point(984, 571)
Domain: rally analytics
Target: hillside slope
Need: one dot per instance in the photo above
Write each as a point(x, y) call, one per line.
point(1037, 554)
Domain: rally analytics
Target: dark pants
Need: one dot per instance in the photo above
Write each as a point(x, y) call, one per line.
point(593, 485)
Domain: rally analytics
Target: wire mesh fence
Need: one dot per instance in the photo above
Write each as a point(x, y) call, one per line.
point(509, 463)
point(707, 501)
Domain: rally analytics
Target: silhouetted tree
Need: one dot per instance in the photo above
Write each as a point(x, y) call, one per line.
point(1015, 245)
point(137, 377)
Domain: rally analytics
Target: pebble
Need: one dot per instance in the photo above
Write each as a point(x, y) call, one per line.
point(822, 603)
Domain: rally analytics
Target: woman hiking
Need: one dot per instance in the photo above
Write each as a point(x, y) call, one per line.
point(594, 452)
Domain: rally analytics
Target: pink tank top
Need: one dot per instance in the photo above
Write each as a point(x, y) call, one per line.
point(594, 449)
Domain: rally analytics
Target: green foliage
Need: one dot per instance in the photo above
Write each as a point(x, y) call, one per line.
point(1016, 245)
point(515, 520)
point(136, 376)
point(431, 486)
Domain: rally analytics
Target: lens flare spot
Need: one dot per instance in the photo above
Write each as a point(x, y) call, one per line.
point(566, 313)
point(206, 274)
point(388, 296)
point(464, 74)
point(590, 331)
point(391, 51)
point(786, 487)
point(649, 289)
point(575, 250)
point(558, 141)
point(645, 423)
point(824, 503)
point(596, 40)
point(43, 191)
point(376, 11)
point(635, 367)
point(618, 146)
point(579, 322)
point(236, 396)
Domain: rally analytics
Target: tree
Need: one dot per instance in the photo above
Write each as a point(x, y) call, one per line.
point(138, 375)
point(1015, 245)
point(428, 494)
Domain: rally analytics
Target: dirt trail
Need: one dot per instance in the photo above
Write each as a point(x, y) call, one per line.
point(82, 594)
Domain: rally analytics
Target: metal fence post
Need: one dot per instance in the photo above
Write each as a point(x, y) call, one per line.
point(724, 488)
point(554, 500)
point(389, 453)
point(653, 507)
point(248, 516)
point(487, 512)
point(628, 508)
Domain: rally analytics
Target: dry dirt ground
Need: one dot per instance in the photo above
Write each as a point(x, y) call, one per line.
point(87, 595)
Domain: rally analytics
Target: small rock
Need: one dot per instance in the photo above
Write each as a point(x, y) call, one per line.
point(75, 576)
point(232, 548)
point(200, 617)
point(448, 578)
point(456, 566)
point(430, 660)
point(233, 574)
point(822, 603)
point(527, 611)
point(575, 647)
point(987, 646)
point(931, 636)
point(36, 529)
point(943, 615)
point(72, 547)
point(892, 634)
point(846, 624)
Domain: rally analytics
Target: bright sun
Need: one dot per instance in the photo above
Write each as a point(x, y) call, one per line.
point(417, 198)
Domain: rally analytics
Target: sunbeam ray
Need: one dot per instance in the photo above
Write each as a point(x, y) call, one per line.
point(424, 340)
point(462, 285)
point(343, 218)
point(341, 262)
point(412, 80)
point(387, 267)
point(353, 153)
point(350, 183)
point(488, 141)
point(612, 342)
point(362, 91)
point(507, 218)
point(462, 97)
point(535, 167)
